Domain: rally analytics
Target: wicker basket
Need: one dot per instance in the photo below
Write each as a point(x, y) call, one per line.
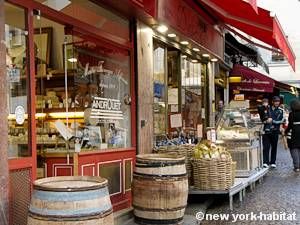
point(186, 151)
point(213, 174)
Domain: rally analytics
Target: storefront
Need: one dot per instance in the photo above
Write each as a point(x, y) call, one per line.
point(70, 96)
point(176, 100)
point(248, 84)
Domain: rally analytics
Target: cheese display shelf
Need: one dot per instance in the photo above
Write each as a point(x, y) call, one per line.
point(236, 131)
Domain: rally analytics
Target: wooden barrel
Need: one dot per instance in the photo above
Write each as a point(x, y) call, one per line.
point(160, 189)
point(70, 200)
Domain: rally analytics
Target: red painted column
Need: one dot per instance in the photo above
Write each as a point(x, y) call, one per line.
point(3, 124)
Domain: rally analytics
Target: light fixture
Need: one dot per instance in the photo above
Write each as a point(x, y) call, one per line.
point(214, 60)
point(184, 42)
point(196, 49)
point(72, 60)
point(194, 61)
point(57, 5)
point(162, 28)
point(205, 55)
point(184, 56)
point(40, 115)
point(65, 114)
point(172, 35)
point(235, 79)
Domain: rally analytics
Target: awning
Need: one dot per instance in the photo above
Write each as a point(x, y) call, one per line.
point(251, 80)
point(260, 25)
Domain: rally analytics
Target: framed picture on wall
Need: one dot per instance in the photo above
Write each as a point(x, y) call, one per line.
point(43, 45)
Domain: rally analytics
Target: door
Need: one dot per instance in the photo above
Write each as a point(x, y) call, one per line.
point(20, 123)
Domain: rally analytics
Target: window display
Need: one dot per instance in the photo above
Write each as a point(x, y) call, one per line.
point(83, 93)
point(235, 124)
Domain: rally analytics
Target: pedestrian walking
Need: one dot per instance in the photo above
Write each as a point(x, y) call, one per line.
point(293, 133)
point(272, 126)
point(265, 117)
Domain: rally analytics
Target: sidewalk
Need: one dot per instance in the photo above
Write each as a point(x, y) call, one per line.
point(190, 212)
point(279, 192)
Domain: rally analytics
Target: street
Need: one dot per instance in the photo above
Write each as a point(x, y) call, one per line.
point(279, 193)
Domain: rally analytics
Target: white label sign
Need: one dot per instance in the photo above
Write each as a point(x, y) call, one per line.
point(20, 115)
point(106, 109)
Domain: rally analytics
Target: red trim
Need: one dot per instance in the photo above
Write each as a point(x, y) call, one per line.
point(31, 96)
point(103, 151)
point(20, 163)
point(133, 93)
point(259, 25)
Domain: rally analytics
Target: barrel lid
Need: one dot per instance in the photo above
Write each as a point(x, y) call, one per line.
point(160, 157)
point(70, 183)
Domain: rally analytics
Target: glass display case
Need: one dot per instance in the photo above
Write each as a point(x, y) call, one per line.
point(239, 134)
point(235, 124)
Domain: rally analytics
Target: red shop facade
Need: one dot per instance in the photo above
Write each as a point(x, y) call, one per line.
point(70, 96)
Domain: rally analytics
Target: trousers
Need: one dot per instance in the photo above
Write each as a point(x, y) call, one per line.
point(295, 152)
point(270, 140)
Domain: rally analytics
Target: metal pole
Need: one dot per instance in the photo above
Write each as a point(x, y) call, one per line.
point(4, 179)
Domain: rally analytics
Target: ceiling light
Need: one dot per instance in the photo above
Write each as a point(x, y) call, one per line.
point(196, 49)
point(172, 35)
point(162, 28)
point(184, 56)
point(58, 5)
point(184, 42)
point(205, 55)
point(194, 60)
point(214, 60)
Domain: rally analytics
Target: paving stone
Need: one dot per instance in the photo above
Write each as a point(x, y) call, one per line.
point(279, 192)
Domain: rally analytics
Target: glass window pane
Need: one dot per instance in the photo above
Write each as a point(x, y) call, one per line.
point(87, 106)
point(159, 88)
point(112, 173)
point(17, 81)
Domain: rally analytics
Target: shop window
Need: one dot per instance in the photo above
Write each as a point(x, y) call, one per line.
point(83, 98)
point(17, 81)
point(159, 85)
point(191, 96)
point(93, 14)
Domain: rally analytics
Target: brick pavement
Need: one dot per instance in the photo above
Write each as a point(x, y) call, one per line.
point(279, 192)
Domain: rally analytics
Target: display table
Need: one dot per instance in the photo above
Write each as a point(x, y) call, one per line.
point(239, 186)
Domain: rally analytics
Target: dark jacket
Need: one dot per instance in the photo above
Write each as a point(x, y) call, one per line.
point(277, 118)
point(294, 129)
point(265, 114)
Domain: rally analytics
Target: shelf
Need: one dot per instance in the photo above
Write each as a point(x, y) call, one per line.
point(60, 110)
point(38, 143)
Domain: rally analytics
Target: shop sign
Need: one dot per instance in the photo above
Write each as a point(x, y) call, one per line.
point(255, 81)
point(106, 109)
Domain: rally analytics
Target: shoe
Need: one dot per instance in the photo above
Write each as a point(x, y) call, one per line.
point(297, 170)
point(273, 166)
point(265, 165)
